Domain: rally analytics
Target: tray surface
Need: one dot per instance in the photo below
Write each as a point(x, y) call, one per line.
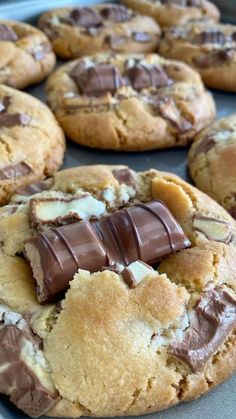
point(221, 402)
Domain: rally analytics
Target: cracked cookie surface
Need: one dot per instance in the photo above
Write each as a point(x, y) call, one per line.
point(102, 28)
point(175, 12)
point(135, 102)
point(209, 48)
point(31, 142)
point(212, 162)
point(127, 334)
point(26, 56)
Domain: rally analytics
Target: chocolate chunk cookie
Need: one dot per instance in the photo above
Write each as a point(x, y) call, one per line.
point(140, 272)
point(209, 48)
point(105, 27)
point(175, 12)
point(129, 102)
point(31, 142)
point(26, 55)
point(212, 162)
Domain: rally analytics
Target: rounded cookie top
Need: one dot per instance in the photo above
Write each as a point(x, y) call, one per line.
point(137, 323)
point(175, 12)
point(209, 48)
point(105, 27)
point(31, 141)
point(26, 56)
point(129, 102)
point(212, 162)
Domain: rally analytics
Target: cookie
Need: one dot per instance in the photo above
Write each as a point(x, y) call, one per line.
point(129, 102)
point(209, 48)
point(212, 162)
point(31, 142)
point(26, 56)
point(102, 28)
point(175, 12)
point(156, 334)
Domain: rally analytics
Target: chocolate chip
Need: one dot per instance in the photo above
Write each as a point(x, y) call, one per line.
point(141, 37)
point(97, 80)
point(86, 17)
point(7, 33)
point(211, 36)
point(116, 13)
point(9, 120)
point(142, 76)
point(16, 170)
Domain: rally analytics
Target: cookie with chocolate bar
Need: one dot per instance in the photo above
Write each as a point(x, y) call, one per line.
point(26, 55)
point(101, 28)
point(212, 162)
point(209, 48)
point(129, 102)
point(31, 142)
point(176, 12)
point(132, 273)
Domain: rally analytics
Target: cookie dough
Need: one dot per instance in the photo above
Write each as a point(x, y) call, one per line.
point(209, 48)
point(212, 162)
point(175, 12)
point(135, 326)
point(31, 142)
point(129, 102)
point(105, 27)
point(26, 56)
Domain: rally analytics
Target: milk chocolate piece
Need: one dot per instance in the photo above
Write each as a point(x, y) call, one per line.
point(168, 110)
point(19, 352)
point(141, 37)
point(124, 176)
point(142, 76)
point(15, 170)
point(206, 144)
point(33, 188)
point(116, 13)
point(136, 272)
point(212, 320)
point(85, 17)
point(9, 120)
point(216, 57)
point(211, 36)
point(212, 228)
point(94, 81)
point(7, 33)
point(143, 232)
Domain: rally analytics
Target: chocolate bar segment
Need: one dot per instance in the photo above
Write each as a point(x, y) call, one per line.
point(213, 319)
point(116, 13)
point(85, 17)
point(211, 36)
point(15, 170)
point(30, 389)
point(33, 188)
point(97, 80)
point(9, 120)
point(143, 76)
point(143, 232)
point(7, 33)
point(212, 228)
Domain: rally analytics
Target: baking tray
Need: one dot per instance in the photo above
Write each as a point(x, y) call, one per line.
point(221, 402)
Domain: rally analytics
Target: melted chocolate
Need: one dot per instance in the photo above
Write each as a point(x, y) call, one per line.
point(16, 379)
point(144, 76)
point(85, 17)
point(97, 80)
point(213, 319)
point(116, 13)
point(15, 170)
point(7, 33)
point(144, 231)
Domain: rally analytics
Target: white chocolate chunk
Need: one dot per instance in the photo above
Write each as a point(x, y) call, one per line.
point(51, 209)
point(136, 272)
point(222, 135)
point(175, 332)
point(213, 229)
point(109, 195)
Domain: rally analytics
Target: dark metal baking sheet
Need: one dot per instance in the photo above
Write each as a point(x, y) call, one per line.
point(221, 402)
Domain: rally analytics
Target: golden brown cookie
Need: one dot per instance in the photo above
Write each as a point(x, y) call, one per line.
point(155, 336)
point(31, 142)
point(175, 12)
point(102, 28)
point(26, 56)
point(212, 162)
point(129, 102)
point(209, 48)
